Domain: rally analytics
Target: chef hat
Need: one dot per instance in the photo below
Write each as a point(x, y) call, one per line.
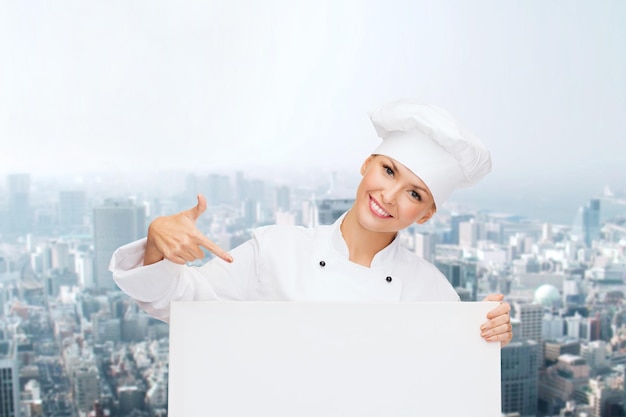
point(431, 143)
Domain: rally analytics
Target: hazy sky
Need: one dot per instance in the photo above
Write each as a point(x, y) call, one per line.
point(146, 85)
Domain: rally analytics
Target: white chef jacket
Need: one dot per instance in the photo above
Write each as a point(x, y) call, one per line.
point(289, 263)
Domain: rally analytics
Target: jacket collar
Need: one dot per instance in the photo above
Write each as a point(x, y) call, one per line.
point(383, 257)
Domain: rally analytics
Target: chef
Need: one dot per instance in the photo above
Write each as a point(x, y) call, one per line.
point(424, 155)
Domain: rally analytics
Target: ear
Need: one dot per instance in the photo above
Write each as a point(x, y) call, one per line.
point(430, 213)
point(366, 163)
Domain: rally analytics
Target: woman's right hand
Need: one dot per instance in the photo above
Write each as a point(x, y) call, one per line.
point(177, 239)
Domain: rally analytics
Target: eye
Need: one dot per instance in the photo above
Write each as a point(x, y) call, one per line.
point(415, 195)
point(388, 170)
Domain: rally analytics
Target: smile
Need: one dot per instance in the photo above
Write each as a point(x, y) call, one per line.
point(378, 210)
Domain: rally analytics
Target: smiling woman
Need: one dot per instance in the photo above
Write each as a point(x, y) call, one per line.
point(424, 155)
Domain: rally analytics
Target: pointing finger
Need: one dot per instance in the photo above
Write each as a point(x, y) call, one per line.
point(214, 248)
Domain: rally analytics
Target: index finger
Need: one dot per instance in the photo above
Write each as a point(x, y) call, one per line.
point(501, 309)
point(213, 248)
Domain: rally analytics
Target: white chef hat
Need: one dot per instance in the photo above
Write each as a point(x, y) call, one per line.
point(431, 143)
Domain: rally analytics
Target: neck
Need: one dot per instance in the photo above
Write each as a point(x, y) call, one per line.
point(363, 244)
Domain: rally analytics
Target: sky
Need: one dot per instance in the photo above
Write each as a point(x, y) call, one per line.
point(142, 86)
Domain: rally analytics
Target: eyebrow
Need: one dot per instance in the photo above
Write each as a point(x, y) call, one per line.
point(414, 185)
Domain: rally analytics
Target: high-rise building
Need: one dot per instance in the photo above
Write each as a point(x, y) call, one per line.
point(9, 380)
point(455, 222)
point(106, 328)
point(19, 210)
point(468, 234)
point(61, 258)
point(251, 211)
point(328, 211)
point(86, 386)
point(460, 273)
point(562, 382)
point(606, 395)
point(591, 221)
point(530, 317)
point(283, 199)
point(426, 245)
point(72, 210)
point(555, 348)
point(520, 377)
point(131, 398)
point(218, 190)
point(116, 223)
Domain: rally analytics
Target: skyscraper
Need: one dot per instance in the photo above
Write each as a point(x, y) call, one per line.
point(531, 319)
point(283, 199)
point(9, 380)
point(330, 210)
point(72, 210)
point(116, 223)
point(425, 245)
point(455, 222)
point(591, 221)
point(19, 211)
point(460, 273)
point(519, 377)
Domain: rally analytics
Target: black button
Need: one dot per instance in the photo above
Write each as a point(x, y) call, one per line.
point(388, 279)
point(322, 263)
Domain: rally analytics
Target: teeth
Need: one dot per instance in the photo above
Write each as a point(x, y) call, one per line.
point(379, 209)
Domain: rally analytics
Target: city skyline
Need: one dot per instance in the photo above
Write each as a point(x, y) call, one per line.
point(557, 204)
point(80, 345)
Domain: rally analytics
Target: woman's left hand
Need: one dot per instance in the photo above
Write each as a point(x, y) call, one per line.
point(498, 328)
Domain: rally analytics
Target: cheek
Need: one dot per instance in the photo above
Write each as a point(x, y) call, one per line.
point(414, 212)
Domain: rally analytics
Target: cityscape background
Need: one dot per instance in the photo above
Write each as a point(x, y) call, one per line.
point(72, 344)
point(113, 113)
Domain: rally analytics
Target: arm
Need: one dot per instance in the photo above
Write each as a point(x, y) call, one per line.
point(153, 270)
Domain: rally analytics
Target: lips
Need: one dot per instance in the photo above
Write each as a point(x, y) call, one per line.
point(377, 209)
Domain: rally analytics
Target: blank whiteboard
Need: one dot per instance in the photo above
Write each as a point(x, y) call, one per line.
point(286, 359)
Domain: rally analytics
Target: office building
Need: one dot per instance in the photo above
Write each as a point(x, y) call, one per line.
point(563, 382)
point(86, 382)
point(328, 211)
point(553, 349)
point(116, 223)
point(605, 395)
point(530, 317)
point(591, 222)
point(217, 190)
point(468, 234)
point(552, 327)
point(9, 380)
point(520, 377)
point(283, 199)
point(106, 328)
point(19, 211)
point(426, 246)
point(455, 222)
point(72, 211)
point(460, 273)
point(131, 398)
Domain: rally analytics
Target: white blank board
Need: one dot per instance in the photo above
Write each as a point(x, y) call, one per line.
point(286, 359)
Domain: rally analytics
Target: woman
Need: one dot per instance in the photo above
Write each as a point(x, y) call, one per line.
point(425, 154)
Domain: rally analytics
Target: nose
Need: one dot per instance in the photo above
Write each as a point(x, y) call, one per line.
point(389, 195)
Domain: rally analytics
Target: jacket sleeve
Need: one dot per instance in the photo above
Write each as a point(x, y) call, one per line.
point(155, 286)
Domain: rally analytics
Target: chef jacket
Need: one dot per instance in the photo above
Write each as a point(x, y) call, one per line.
point(289, 263)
